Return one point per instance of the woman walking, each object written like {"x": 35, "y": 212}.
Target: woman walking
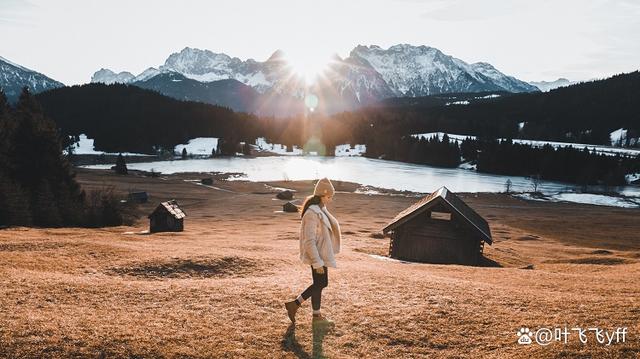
{"x": 319, "y": 243}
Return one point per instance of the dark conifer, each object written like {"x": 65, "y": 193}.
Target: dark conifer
{"x": 121, "y": 165}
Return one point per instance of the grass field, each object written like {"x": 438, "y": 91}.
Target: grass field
{"x": 216, "y": 289}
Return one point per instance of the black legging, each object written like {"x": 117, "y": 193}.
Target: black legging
{"x": 315, "y": 290}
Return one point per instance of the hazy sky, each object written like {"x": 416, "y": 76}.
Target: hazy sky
{"x": 532, "y": 40}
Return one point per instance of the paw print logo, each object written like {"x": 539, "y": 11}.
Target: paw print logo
{"x": 524, "y": 336}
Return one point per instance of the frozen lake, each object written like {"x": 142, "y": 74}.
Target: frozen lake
{"x": 369, "y": 172}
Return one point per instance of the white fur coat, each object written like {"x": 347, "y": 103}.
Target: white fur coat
{"x": 319, "y": 237}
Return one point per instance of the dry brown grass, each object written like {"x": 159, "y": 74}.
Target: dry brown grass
{"x": 216, "y": 289}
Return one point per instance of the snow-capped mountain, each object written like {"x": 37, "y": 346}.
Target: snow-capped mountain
{"x": 14, "y": 77}
{"x": 546, "y": 86}
{"x": 412, "y": 71}
{"x": 108, "y": 77}
{"x": 368, "y": 75}
{"x": 146, "y": 74}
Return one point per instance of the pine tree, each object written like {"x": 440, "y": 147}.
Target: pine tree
{"x": 121, "y": 165}
{"x": 184, "y": 154}
{"x": 39, "y": 166}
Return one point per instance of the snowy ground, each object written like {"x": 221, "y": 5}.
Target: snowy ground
{"x": 607, "y": 150}
{"x": 344, "y": 150}
{"x": 586, "y": 198}
{"x": 85, "y": 147}
{"x": 619, "y": 138}
{"x": 277, "y": 148}
{"x": 348, "y": 151}
{"x": 633, "y": 177}
{"x": 200, "y": 146}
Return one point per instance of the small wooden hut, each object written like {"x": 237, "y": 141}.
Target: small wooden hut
{"x": 439, "y": 228}
{"x": 167, "y": 217}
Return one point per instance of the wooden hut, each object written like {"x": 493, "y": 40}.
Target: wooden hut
{"x": 439, "y": 228}
{"x": 167, "y": 217}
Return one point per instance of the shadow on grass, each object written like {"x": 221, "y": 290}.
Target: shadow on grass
{"x": 488, "y": 262}
{"x": 290, "y": 343}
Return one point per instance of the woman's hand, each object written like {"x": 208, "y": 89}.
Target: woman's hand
{"x": 319, "y": 270}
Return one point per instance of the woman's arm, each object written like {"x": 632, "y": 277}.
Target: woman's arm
{"x": 309, "y": 239}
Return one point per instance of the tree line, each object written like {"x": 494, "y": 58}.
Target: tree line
{"x": 37, "y": 184}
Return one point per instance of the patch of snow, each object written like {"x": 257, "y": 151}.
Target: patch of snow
{"x": 632, "y": 177}
{"x": 585, "y": 198}
{"x": 347, "y": 150}
{"x": 520, "y": 126}
{"x": 467, "y": 166}
{"x": 493, "y": 95}
{"x": 619, "y": 138}
{"x": 85, "y": 147}
{"x": 199, "y": 146}
{"x": 277, "y": 148}
{"x": 596, "y": 199}
{"x": 463, "y": 102}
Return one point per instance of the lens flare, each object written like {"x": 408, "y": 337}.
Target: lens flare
{"x": 311, "y": 101}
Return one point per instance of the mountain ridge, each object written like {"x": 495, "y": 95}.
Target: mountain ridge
{"x": 369, "y": 74}
{"x": 14, "y": 77}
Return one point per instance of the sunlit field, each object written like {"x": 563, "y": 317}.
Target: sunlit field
{"x": 216, "y": 289}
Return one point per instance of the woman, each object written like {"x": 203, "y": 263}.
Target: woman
{"x": 319, "y": 243}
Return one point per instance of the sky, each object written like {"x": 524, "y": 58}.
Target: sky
{"x": 532, "y": 40}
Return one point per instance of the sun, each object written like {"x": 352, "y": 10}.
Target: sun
{"x": 308, "y": 65}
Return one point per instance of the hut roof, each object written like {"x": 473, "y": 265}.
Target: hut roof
{"x": 171, "y": 207}
{"x": 449, "y": 199}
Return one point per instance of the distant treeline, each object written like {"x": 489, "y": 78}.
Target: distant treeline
{"x": 122, "y": 118}
{"x": 37, "y": 185}
{"x": 567, "y": 164}
{"x": 429, "y": 151}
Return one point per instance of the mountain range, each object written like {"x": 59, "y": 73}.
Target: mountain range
{"x": 14, "y": 77}
{"x": 369, "y": 74}
{"x": 271, "y": 87}
{"x": 545, "y": 86}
